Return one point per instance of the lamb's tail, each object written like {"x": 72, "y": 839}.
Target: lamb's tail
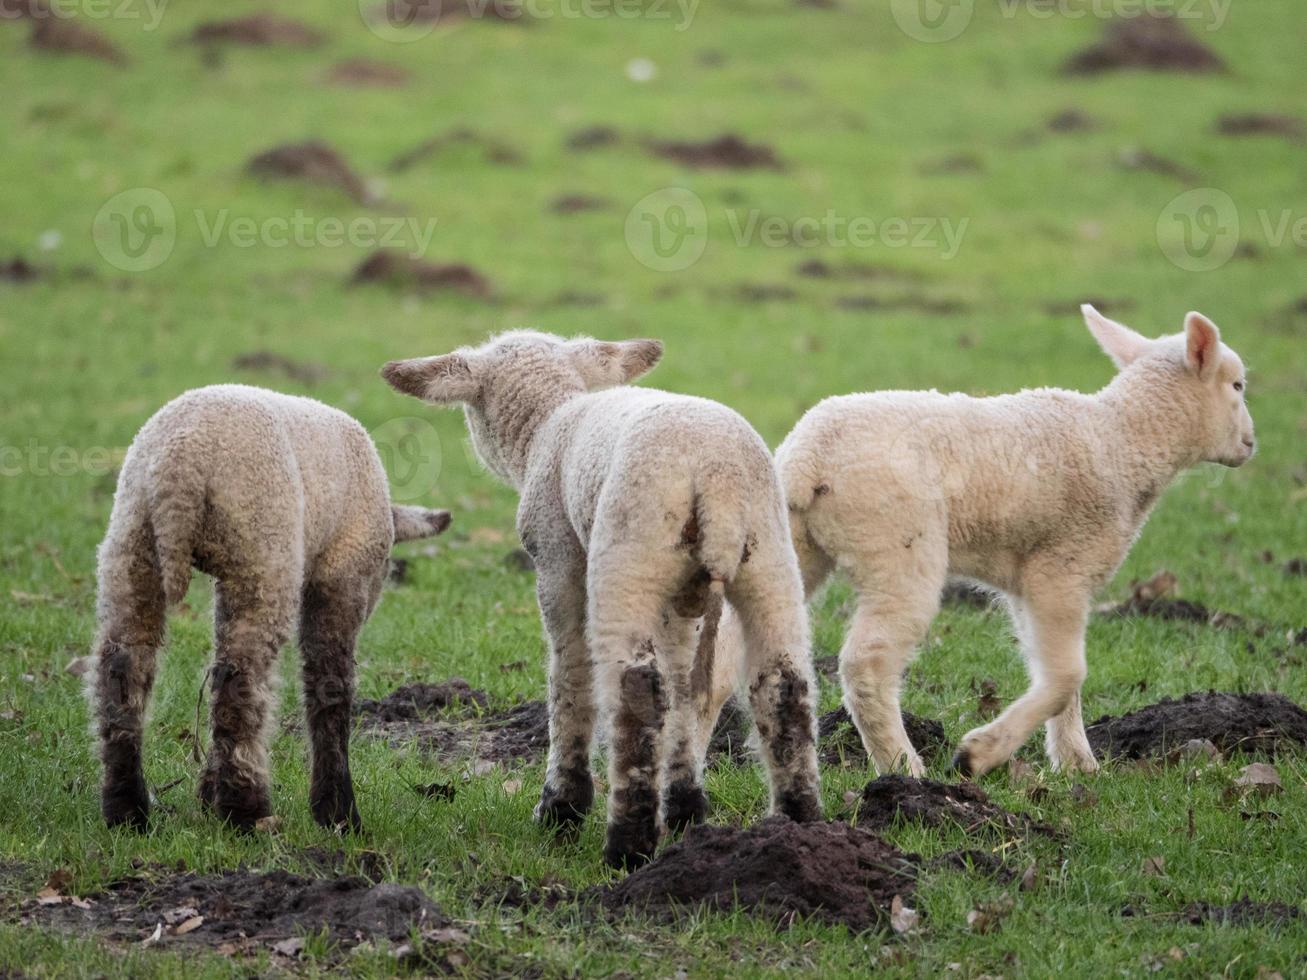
{"x": 176, "y": 500}
{"x": 720, "y": 543}
{"x": 417, "y": 522}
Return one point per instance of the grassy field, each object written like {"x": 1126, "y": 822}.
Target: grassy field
{"x": 866, "y": 123}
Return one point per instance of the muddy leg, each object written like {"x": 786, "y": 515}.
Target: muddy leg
{"x": 131, "y": 630}
{"x": 782, "y": 688}
{"x": 568, "y": 792}
{"x": 684, "y": 801}
{"x": 1057, "y": 619}
{"x": 331, "y": 616}
{"x": 251, "y": 623}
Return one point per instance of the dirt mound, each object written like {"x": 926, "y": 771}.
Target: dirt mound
{"x": 404, "y": 12}
{"x": 1252, "y": 723}
{"x": 572, "y": 203}
{"x": 401, "y": 271}
{"x": 421, "y": 700}
{"x": 1243, "y": 912}
{"x": 1153, "y": 42}
{"x": 777, "y": 868}
{"x": 363, "y": 73}
{"x": 727, "y": 151}
{"x": 866, "y": 271}
{"x": 840, "y": 744}
{"x": 730, "y": 739}
{"x": 241, "y": 911}
{"x": 261, "y": 30}
{"x": 305, "y": 372}
{"x": 914, "y": 302}
{"x": 313, "y": 161}
{"x": 593, "y": 137}
{"x": 1261, "y": 124}
{"x": 63, "y": 36}
{"x": 1153, "y": 598}
{"x": 495, "y": 151}
{"x": 410, "y": 716}
{"x": 1071, "y": 121}
{"x": 894, "y": 797}
{"x": 18, "y": 269}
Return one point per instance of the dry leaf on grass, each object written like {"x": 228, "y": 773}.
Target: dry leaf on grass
{"x": 268, "y": 825}
{"x": 1153, "y": 866}
{"x": 901, "y": 918}
{"x": 511, "y": 786}
{"x": 1260, "y": 778}
{"x": 289, "y": 947}
{"x": 190, "y": 925}
{"x": 78, "y": 666}
{"x": 986, "y": 916}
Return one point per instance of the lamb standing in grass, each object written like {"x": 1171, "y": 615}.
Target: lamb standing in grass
{"x": 642, "y": 511}
{"x": 284, "y": 502}
{"x": 1038, "y": 495}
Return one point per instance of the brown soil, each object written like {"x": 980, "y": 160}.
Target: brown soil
{"x": 1261, "y": 124}
{"x": 593, "y": 137}
{"x": 415, "y": 701}
{"x": 363, "y": 73}
{"x": 1243, "y": 912}
{"x": 427, "y": 11}
{"x": 313, "y": 161}
{"x": 305, "y": 372}
{"x": 1260, "y": 724}
{"x": 1154, "y": 43}
{"x": 63, "y": 36}
{"x": 400, "y": 271}
{"x": 764, "y": 292}
{"x": 14, "y": 9}
{"x": 1152, "y": 597}
{"x": 1071, "y": 121}
{"x": 495, "y": 151}
{"x": 18, "y": 269}
{"x": 243, "y": 911}
{"x": 727, "y": 151}
{"x": 918, "y": 303}
{"x": 818, "y": 269}
{"x": 262, "y": 30}
{"x": 572, "y": 203}
{"x": 411, "y": 715}
{"x": 958, "y": 163}
{"x": 777, "y": 868}
{"x": 840, "y": 744}
{"x": 893, "y": 798}
{"x": 1134, "y": 158}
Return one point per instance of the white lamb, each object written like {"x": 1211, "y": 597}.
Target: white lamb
{"x": 1038, "y": 495}
{"x": 641, "y": 510}
{"x": 284, "y": 502}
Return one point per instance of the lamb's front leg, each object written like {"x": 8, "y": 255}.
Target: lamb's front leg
{"x": 569, "y": 788}
{"x": 1057, "y": 617}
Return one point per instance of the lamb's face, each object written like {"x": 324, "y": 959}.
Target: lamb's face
{"x": 1230, "y": 441}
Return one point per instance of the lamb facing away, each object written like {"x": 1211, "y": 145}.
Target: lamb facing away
{"x": 1038, "y": 495}
{"x": 284, "y": 501}
{"x": 642, "y": 510}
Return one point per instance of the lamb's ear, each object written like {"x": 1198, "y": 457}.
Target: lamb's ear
{"x": 443, "y": 379}
{"x": 1202, "y": 344}
{"x": 417, "y": 522}
{"x": 1118, "y": 341}
{"x": 605, "y": 363}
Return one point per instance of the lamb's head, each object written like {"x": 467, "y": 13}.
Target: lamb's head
{"x": 1194, "y": 371}
{"x": 511, "y": 383}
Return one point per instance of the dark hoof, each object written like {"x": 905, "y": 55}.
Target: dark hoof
{"x": 800, "y": 807}
{"x": 126, "y": 805}
{"x": 565, "y": 807}
{"x": 962, "y": 764}
{"x": 238, "y": 806}
{"x": 630, "y": 845}
{"x": 337, "y": 810}
{"x": 685, "y": 804}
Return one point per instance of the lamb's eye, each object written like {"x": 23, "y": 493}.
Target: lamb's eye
{"x": 1238, "y": 386}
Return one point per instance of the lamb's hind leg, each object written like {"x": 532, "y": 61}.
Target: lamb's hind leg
{"x": 624, "y": 611}
{"x": 1057, "y": 613}
{"x": 131, "y": 630}
{"x": 688, "y": 644}
{"x": 252, "y": 621}
{"x": 568, "y": 792}
{"x": 768, "y": 596}
{"x": 331, "y": 615}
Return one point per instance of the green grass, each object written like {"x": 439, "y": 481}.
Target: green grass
{"x": 858, "y": 112}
